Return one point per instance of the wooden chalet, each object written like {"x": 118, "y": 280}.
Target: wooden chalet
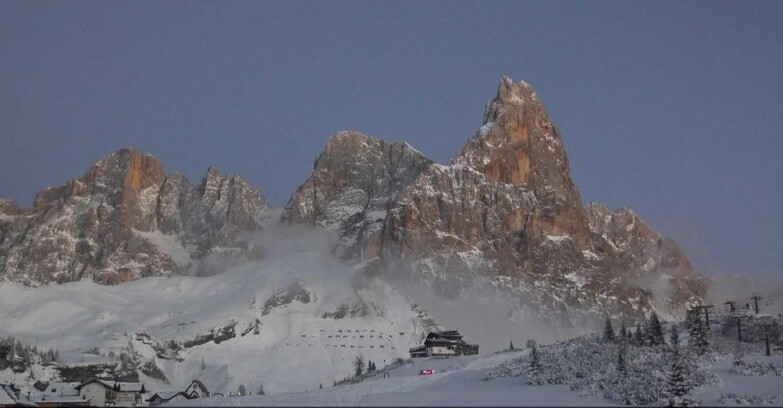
{"x": 444, "y": 343}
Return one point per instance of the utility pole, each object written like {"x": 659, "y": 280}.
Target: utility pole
{"x": 766, "y": 327}
{"x": 756, "y": 297}
{"x": 706, "y": 309}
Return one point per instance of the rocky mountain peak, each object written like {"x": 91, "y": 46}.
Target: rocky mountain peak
{"x": 506, "y": 210}
{"x": 126, "y": 218}
{"x": 518, "y": 144}
{"x": 127, "y": 168}
{"x": 9, "y": 207}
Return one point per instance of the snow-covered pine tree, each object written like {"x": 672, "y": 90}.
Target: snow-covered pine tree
{"x": 535, "y": 364}
{"x": 699, "y": 337}
{"x": 638, "y": 336}
{"x": 679, "y": 382}
{"x": 622, "y": 366}
{"x": 358, "y": 365}
{"x": 674, "y": 338}
{"x": 608, "y": 336}
{"x": 623, "y": 331}
{"x": 654, "y": 331}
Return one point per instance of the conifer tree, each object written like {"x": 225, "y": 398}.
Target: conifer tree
{"x": 358, "y": 365}
{"x": 535, "y": 364}
{"x": 679, "y": 383}
{"x": 654, "y": 331}
{"x": 674, "y": 338}
{"x": 608, "y": 331}
{"x": 699, "y": 336}
{"x": 622, "y": 367}
{"x": 623, "y": 331}
{"x": 511, "y": 345}
{"x": 638, "y": 337}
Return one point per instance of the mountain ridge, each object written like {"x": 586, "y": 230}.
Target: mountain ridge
{"x": 504, "y": 211}
{"x": 94, "y": 226}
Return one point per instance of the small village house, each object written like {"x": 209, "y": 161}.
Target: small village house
{"x": 99, "y": 393}
{"x": 60, "y": 394}
{"x": 197, "y": 389}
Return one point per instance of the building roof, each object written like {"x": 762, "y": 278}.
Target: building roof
{"x": 56, "y": 388}
{"x": 417, "y": 349}
{"x": 166, "y": 395}
{"x": 201, "y": 385}
{"x": 116, "y": 385}
{"x": 58, "y": 399}
{"x": 445, "y": 334}
{"x": 9, "y": 396}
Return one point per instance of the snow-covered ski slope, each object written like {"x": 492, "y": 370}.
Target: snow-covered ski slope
{"x": 460, "y": 382}
{"x": 304, "y": 319}
{"x": 457, "y": 381}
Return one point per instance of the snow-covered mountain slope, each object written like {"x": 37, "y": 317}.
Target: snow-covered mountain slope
{"x": 291, "y": 322}
{"x": 126, "y": 219}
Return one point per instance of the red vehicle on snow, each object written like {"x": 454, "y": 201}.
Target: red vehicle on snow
{"x": 428, "y": 371}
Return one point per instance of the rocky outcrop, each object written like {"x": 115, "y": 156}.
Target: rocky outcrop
{"x": 353, "y": 184}
{"x": 504, "y": 210}
{"x": 125, "y": 219}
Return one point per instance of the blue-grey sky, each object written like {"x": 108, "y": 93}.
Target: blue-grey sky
{"x": 674, "y": 109}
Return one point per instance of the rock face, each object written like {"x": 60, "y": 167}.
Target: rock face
{"x": 125, "y": 219}
{"x": 505, "y": 211}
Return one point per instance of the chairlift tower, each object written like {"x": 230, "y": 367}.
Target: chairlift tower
{"x": 767, "y": 326}
{"x": 738, "y": 316}
{"x": 756, "y": 297}
{"x": 706, "y": 309}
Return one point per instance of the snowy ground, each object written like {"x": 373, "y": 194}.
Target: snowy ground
{"x": 457, "y": 382}
{"x": 460, "y": 382}
{"x": 762, "y": 386}
{"x": 296, "y": 347}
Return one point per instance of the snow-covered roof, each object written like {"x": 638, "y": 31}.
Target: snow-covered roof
{"x": 56, "y": 388}
{"x": 9, "y": 397}
{"x": 215, "y": 379}
{"x": 115, "y": 385}
{"x": 59, "y": 399}
{"x": 166, "y": 395}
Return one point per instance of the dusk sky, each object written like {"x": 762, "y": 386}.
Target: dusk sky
{"x": 674, "y": 109}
